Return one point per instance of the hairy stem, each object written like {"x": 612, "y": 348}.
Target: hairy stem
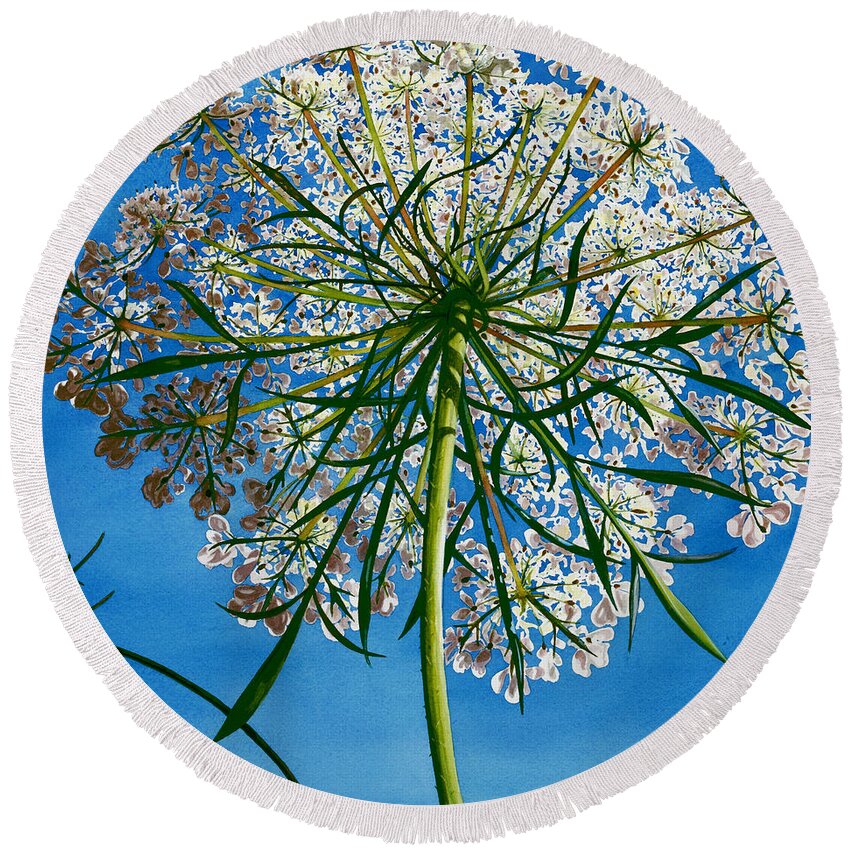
{"x": 445, "y": 423}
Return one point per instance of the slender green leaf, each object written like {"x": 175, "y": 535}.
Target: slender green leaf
{"x": 680, "y": 614}
{"x": 572, "y": 273}
{"x": 676, "y": 478}
{"x": 232, "y": 416}
{"x": 214, "y": 701}
{"x": 204, "y": 313}
{"x": 400, "y": 204}
{"x": 91, "y": 552}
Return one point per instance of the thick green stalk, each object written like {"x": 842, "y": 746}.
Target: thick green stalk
{"x": 445, "y": 423}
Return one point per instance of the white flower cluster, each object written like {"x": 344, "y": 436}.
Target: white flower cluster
{"x": 280, "y": 305}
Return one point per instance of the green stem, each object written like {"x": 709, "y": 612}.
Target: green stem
{"x": 652, "y": 255}
{"x": 446, "y": 415}
{"x": 469, "y": 130}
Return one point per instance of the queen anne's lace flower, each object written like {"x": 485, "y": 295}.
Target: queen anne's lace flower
{"x": 270, "y": 323}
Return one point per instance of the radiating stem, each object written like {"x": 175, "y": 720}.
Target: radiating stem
{"x": 562, "y": 143}
{"x": 285, "y": 202}
{"x": 445, "y": 419}
{"x": 550, "y": 164}
{"x": 368, "y": 208}
{"x": 509, "y": 181}
{"x": 600, "y": 181}
{"x": 652, "y": 255}
{"x": 414, "y": 161}
{"x": 382, "y": 158}
{"x": 496, "y": 513}
{"x": 469, "y": 129}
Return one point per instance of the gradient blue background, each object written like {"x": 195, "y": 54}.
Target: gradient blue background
{"x": 356, "y": 730}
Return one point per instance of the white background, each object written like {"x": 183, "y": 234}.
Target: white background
{"x": 76, "y": 77}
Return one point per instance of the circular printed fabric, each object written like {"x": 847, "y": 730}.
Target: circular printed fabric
{"x": 426, "y": 422}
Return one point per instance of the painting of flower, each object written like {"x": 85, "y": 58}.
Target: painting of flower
{"x": 440, "y": 342}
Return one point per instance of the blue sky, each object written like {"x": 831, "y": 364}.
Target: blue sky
{"x": 357, "y": 730}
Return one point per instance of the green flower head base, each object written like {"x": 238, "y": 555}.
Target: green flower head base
{"x": 463, "y": 335}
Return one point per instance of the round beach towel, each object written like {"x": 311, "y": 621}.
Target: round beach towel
{"x": 432, "y": 417}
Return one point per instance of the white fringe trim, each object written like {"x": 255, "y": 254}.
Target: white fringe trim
{"x": 472, "y": 821}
